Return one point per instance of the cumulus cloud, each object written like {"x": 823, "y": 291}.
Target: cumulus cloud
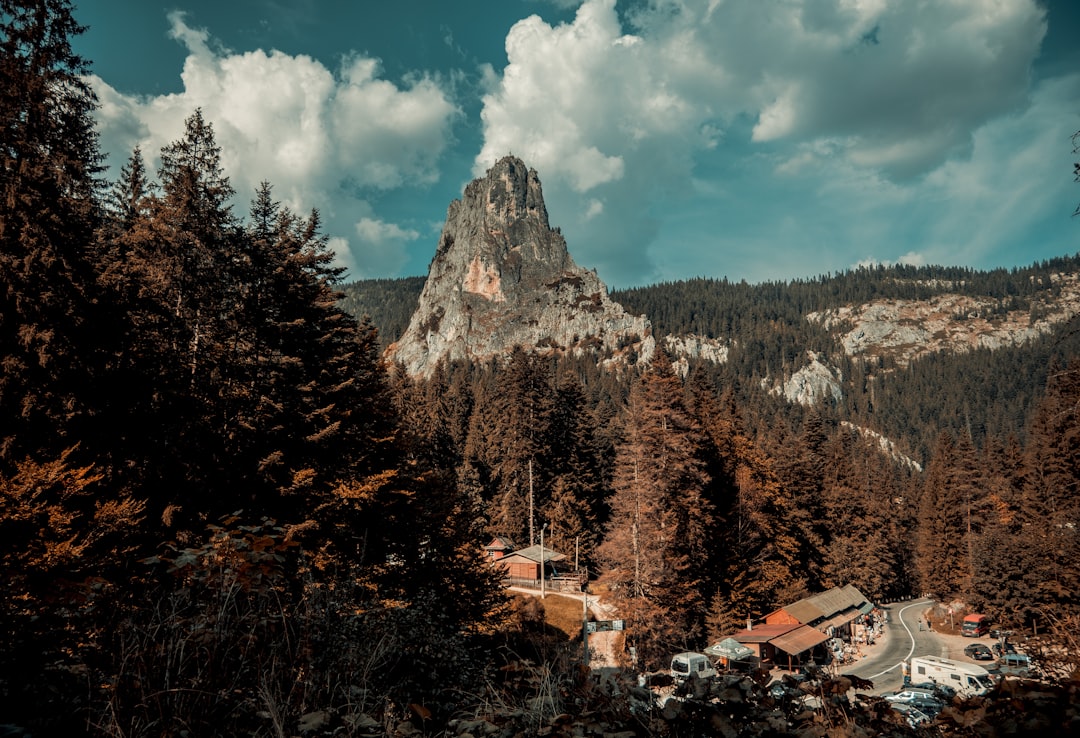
{"x": 382, "y": 246}
{"x": 624, "y": 109}
{"x": 322, "y": 137}
{"x": 1017, "y": 179}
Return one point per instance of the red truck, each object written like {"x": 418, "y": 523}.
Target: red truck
{"x": 975, "y": 625}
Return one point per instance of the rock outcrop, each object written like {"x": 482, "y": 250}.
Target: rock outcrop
{"x": 905, "y": 330}
{"x": 502, "y": 277}
{"x": 814, "y": 384}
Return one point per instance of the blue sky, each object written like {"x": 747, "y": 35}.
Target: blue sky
{"x": 747, "y": 139}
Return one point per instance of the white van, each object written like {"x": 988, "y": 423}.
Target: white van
{"x": 687, "y": 664}
{"x": 967, "y": 679}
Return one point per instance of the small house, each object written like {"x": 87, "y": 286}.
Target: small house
{"x": 525, "y": 566}
{"x": 499, "y": 547}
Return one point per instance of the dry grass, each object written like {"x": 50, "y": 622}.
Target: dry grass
{"x": 560, "y": 613}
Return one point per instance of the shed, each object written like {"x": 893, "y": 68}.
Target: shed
{"x": 729, "y": 651}
{"x": 782, "y": 642}
{"x": 526, "y": 564}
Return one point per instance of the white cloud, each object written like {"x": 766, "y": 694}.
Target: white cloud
{"x": 1017, "y": 177}
{"x": 544, "y": 107}
{"x": 912, "y": 258}
{"x": 321, "y": 137}
{"x": 382, "y": 246}
{"x": 880, "y": 92}
{"x": 376, "y": 231}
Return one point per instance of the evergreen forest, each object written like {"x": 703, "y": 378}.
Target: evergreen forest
{"x": 223, "y": 514}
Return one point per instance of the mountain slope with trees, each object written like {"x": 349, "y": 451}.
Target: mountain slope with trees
{"x": 224, "y": 514}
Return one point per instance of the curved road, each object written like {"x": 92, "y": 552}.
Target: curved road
{"x": 903, "y": 639}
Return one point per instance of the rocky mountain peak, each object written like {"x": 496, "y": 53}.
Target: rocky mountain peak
{"x": 502, "y": 277}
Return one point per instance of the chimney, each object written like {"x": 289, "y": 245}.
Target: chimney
{"x": 749, "y": 624}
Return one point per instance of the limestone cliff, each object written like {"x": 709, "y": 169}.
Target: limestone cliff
{"x": 501, "y": 277}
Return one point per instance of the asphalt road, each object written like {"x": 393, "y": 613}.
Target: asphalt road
{"x": 903, "y": 639}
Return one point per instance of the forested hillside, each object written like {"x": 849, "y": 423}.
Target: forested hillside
{"x": 389, "y": 303}
{"x": 224, "y": 515}
{"x": 978, "y": 393}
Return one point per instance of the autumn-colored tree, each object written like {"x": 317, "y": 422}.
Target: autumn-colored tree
{"x": 49, "y": 163}
{"x": 577, "y": 497}
{"x": 862, "y": 503}
{"x": 656, "y": 546}
{"x": 1049, "y": 513}
{"x": 509, "y": 441}
{"x": 308, "y": 402}
{"x": 945, "y": 539}
{"x": 801, "y": 468}
{"x": 760, "y": 563}
{"x": 67, "y": 541}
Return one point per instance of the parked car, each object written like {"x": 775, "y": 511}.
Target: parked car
{"x": 941, "y": 691}
{"x": 691, "y": 664}
{"x": 914, "y": 716}
{"x": 1015, "y": 664}
{"x": 979, "y": 652}
{"x": 1000, "y": 651}
{"x": 787, "y": 686}
{"x": 975, "y": 625}
{"x": 923, "y": 700}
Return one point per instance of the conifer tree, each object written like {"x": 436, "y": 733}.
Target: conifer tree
{"x": 801, "y": 468}
{"x": 655, "y": 548}
{"x": 174, "y": 262}
{"x": 49, "y": 163}
{"x": 127, "y": 201}
{"x": 942, "y": 554}
{"x": 864, "y": 540}
{"x": 759, "y": 566}
{"x": 510, "y": 437}
{"x": 576, "y": 493}
{"x": 1049, "y": 514}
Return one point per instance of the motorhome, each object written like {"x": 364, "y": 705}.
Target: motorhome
{"x": 687, "y": 664}
{"x": 967, "y": 679}
{"x": 975, "y": 625}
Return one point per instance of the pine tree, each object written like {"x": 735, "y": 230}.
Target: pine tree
{"x": 1049, "y": 515}
{"x": 577, "y": 497}
{"x": 656, "y": 546}
{"x": 175, "y": 263}
{"x": 127, "y": 201}
{"x": 860, "y": 505}
{"x": 510, "y": 437}
{"x": 941, "y": 540}
{"x": 49, "y": 163}
{"x": 801, "y": 470}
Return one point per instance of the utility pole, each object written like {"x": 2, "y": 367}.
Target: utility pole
{"x": 542, "y": 567}
{"x": 585, "y": 627}
{"x": 532, "y": 538}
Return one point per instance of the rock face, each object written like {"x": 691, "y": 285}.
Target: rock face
{"x": 905, "y": 330}
{"x": 502, "y": 277}
{"x": 816, "y": 383}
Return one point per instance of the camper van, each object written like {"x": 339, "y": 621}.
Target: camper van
{"x": 688, "y": 664}
{"x": 967, "y": 679}
{"x": 975, "y": 625}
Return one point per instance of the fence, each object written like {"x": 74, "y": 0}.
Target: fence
{"x": 564, "y": 583}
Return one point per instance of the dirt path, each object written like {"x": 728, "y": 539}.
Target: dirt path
{"x": 602, "y": 644}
